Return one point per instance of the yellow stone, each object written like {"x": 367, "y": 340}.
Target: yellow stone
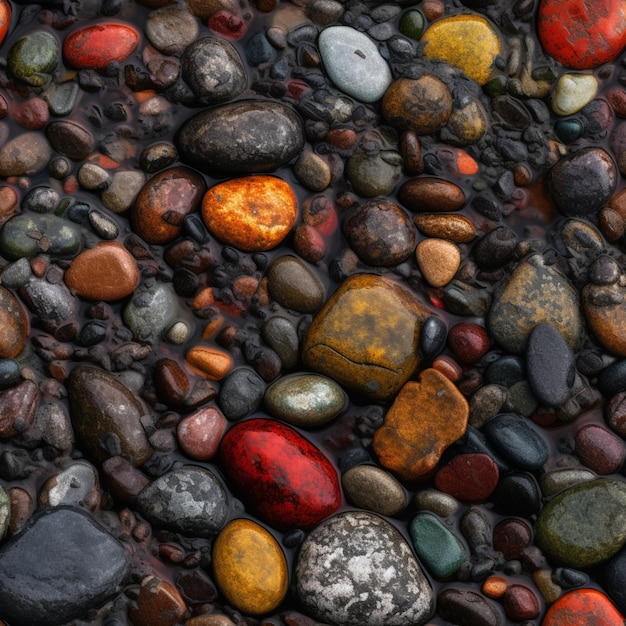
{"x": 250, "y": 567}
{"x": 252, "y": 213}
{"x": 438, "y": 260}
{"x": 468, "y": 42}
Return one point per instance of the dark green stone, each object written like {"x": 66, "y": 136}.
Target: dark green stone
{"x": 33, "y": 57}
{"x": 412, "y": 24}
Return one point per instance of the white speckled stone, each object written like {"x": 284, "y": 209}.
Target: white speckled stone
{"x": 353, "y": 63}
{"x": 572, "y": 92}
{"x": 356, "y": 569}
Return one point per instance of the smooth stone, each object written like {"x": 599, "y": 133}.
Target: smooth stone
{"x": 94, "y": 47}
{"x": 24, "y": 155}
{"x": 158, "y": 603}
{"x": 457, "y": 228}
{"x": 422, "y": 105}
{"x": 466, "y": 608}
{"x": 241, "y": 393}
{"x": 432, "y": 337}
{"x": 604, "y": 307}
{"x": 518, "y": 494}
{"x": 520, "y": 603}
{"x": 614, "y": 577}
{"x": 612, "y": 379}
{"x": 209, "y": 362}
{"x": 93, "y": 177}
{"x": 599, "y": 449}
{"x": 429, "y": 193}
{"x": 469, "y": 478}
{"x": 52, "y": 302}
{"x": 438, "y": 260}
{"x": 581, "y": 183}
{"x": 106, "y": 416}
{"x": 305, "y": 400}
{"x": 468, "y": 42}
{"x": 366, "y": 336}
{"x": 10, "y": 369}
{"x": 313, "y": 171}
{"x": 342, "y": 574}
{"x": 14, "y": 325}
{"x": 371, "y": 488}
{"x": 214, "y": 70}
{"x": 200, "y": 433}
{"x": 353, "y": 63}
{"x": 495, "y": 249}
{"x": 555, "y": 481}
{"x": 124, "y": 482}
{"x": 281, "y": 335}
{"x": 5, "y": 19}
{"x": 583, "y": 525}
{"x": 468, "y": 342}
{"x": 589, "y": 607}
{"x": 284, "y": 478}
{"x": 292, "y": 284}
{"x": 189, "y": 500}
{"x": 171, "y": 29}
{"x": 122, "y": 190}
{"x": 425, "y": 418}
{"x": 572, "y": 92}
{"x": 249, "y": 567}
{"x": 243, "y": 137}
{"x": 485, "y": 403}
{"x": 438, "y": 548}
{"x": 467, "y": 124}
{"x": 163, "y": 203}
{"x": 77, "y": 485}
{"x": 534, "y": 293}
{"x": 5, "y": 512}
{"x": 253, "y": 213}
{"x": 151, "y": 311}
{"x": 70, "y": 139}
{"x": 581, "y": 237}
{"x": 380, "y": 232}
{"x": 18, "y": 406}
{"x": 511, "y": 537}
{"x": 46, "y": 579}
{"x": 372, "y": 175}
{"x": 171, "y": 382}
{"x": 106, "y": 272}
{"x": 439, "y": 503}
{"x": 579, "y": 34}
{"x": 53, "y": 425}
{"x": 550, "y": 364}
{"x": 34, "y": 56}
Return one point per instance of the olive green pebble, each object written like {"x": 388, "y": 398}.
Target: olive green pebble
{"x": 412, "y": 24}
{"x": 33, "y": 57}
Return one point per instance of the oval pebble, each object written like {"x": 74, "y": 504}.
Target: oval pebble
{"x": 599, "y": 449}
{"x": 14, "y": 325}
{"x": 24, "y": 155}
{"x": 200, "y": 433}
{"x": 468, "y": 477}
{"x": 292, "y": 284}
{"x": 589, "y": 607}
{"x": 371, "y": 488}
{"x": 431, "y": 194}
{"x": 466, "y": 608}
{"x": 33, "y": 56}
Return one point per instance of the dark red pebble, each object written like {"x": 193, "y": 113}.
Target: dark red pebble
{"x": 520, "y": 603}
{"x": 599, "y": 449}
{"x": 510, "y": 537}
{"x": 228, "y": 25}
{"x": 468, "y": 477}
{"x": 468, "y": 341}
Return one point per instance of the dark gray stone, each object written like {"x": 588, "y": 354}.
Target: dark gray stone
{"x": 241, "y": 393}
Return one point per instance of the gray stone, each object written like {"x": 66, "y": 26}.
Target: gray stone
{"x": 171, "y": 28}
{"x": 151, "y": 311}
{"x": 372, "y": 488}
{"x": 342, "y": 574}
{"x": 241, "y": 393}
{"x": 294, "y": 285}
{"x": 52, "y": 302}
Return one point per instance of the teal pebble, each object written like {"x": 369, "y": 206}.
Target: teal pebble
{"x": 439, "y": 549}
{"x": 9, "y": 374}
{"x": 412, "y": 24}
{"x": 568, "y": 131}
{"x": 33, "y": 57}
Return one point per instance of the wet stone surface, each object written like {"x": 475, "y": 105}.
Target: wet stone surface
{"x": 312, "y": 312}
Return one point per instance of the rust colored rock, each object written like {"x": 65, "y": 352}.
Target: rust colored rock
{"x": 13, "y": 325}
{"x": 457, "y": 228}
{"x": 583, "y": 607}
{"x": 158, "y": 604}
{"x": 426, "y": 417}
{"x": 428, "y": 194}
{"x": 209, "y": 362}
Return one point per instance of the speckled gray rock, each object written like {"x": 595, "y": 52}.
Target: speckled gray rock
{"x": 51, "y": 301}
{"x": 59, "y": 567}
{"x": 25, "y": 155}
{"x": 151, "y": 311}
{"x": 189, "y": 500}
{"x": 241, "y": 393}
{"x": 171, "y": 28}
{"x": 342, "y": 574}
{"x": 372, "y": 488}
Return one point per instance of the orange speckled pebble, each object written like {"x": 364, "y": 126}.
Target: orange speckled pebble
{"x": 94, "y": 47}
{"x": 158, "y": 604}
{"x": 583, "y": 607}
{"x": 426, "y": 417}
{"x": 250, "y": 567}
{"x": 209, "y": 362}
{"x": 253, "y": 213}
{"x": 105, "y": 272}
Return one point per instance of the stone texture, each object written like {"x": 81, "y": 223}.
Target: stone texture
{"x": 371, "y": 488}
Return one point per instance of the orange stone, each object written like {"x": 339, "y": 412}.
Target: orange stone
{"x": 209, "y": 362}
{"x": 158, "y": 604}
{"x": 253, "y": 213}
{"x": 494, "y": 586}
{"x": 105, "y": 272}
{"x": 457, "y": 228}
{"x": 5, "y": 19}
{"x": 583, "y": 607}
{"x": 426, "y": 417}
{"x": 13, "y": 325}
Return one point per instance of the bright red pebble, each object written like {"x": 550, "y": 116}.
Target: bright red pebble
{"x": 94, "y": 47}
{"x": 583, "y": 607}
{"x": 5, "y": 19}
{"x": 468, "y": 341}
{"x": 228, "y": 25}
{"x": 285, "y": 479}
{"x": 468, "y": 477}
{"x": 582, "y": 34}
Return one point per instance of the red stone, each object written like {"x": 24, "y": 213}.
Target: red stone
{"x": 468, "y": 341}
{"x": 94, "y": 47}
{"x": 583, "y": 607}
{"x": 228, "y": 25}
{"x": 32, "y": 114}
{"x": 520, "y": 603}
{"x": 582, "y": 34}
{"x": 200, "y": 433}
{"x": 599, "y": 449}
{"x": 5, "y": 19}
{"x": 511, "y": 536}
{"x": 285, "y": 479}
{"x": 468, "y": 477}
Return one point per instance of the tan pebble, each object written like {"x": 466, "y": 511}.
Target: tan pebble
{"x": 438, "y": 260}
{"x": 373, "y": 489}
{"x": 22, "y": 507}
{"x": 312, "y": 171}
{"x": 548, "y": 589}
{"x": 106, "y": 272}
{"x": 13, "y": 325}
{"x": 611, "y": 223}
{"x": 158, "y": 604}
{"x": 457, "y": 228}
{"x": 211, "y": 363}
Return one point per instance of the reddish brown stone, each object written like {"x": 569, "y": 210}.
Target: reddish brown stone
{"x": 599, "y": 449}
{"x": 158, "y": 604}
{"x": 429, "y": 194}
{"x": 511, "y": 537}
{"x": 171, "y": 382}
{"x": 468, "y": 341}
{"x": 124, "y": 482}
{"x": 199, "y": 434}
{"x": 520, "y": 603}
{"x": 468, "y": 477}
{"x": 13, "y": 325}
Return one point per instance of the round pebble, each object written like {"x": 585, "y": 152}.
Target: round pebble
{"x": 371, "y": 488}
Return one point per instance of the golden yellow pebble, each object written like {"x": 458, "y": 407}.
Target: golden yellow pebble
{"x": 209, "y": 362}
{"x": 438, "y": 260}
{"x": 250, "y": 567}
{"x": 467, "y": 42}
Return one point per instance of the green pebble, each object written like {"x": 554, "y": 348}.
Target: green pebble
{"x": 33, "y": 57}
{"x": 568, "y": 131}
{"x": 412, "y": 24}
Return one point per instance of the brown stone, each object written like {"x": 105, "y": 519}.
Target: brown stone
{"x": 429, "y": 193}
{"x": 457, "y": 228}
{"x": 438, "y": 260}
{"x": 106, "y": 272}
{"x": 18, "y": 406}
{"x": 426, "y": 417}
{"x": 605, "y": 311}
{"x": 158, "y": 604}
{"x": 171, "y": 382}
{"x": 13, "y": 325}
{"x": 210, "y": 362}
{"x": 200, "y": 433}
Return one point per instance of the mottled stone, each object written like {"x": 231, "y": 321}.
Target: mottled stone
{"x": 372, "y": 175}
{"x": 158, "y": 604}
{"x": 438, "y": 260}
{"x": 371, "y": 488}
{"x": 599, "y": 449}
{"x": 589, "y": 607}
{"x": 294, "y": 285}
{"x": 468, "y": 477}
{"x": 34, "y": 57}
{"x": 171, "y": 29}
{"x": 426, "y": 417}
{"x": 77, "y": 485}
{"x": 366, "y": 336}
{"x": 13, "y": 325}
{"x": 241, "y": 393}
{"x": 200, "y": 433}
{"x": 342, "y": 574}
{"x": 604, "y": 307}
{"x": 457, "y": 228}
{"x": 18, "y": 407}
{"x": 151, "y": 311}
{"x": 70, "y": 139}
{"x": 24, "y": 155}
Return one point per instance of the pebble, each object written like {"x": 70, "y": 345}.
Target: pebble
{"x": 469, "y": 478}
{"x": 200, "y": 433}
{"x": 425, "y": 418}
{"x": 171, "y": 382}
{"x": 373, "y": 174}
{"x": 555, "y": 481}
{"x": 351, "y": 341}
{"x": 212, "y": 363}
{"x": 511, "y": 537}
{"x": 14, "y": 325}
{"x": 70, "y": 139}
{"x": 429, "y": 193}
{"x": 106, "y": 416}
{"x": 241, "y": 137}
{"x": 24, "y": 155}
{"x": 34, "y": 56}
{"x": 599, "y": 449}
{"x": 77, "y": 485}
{"x": 313, "y": 171}
{"x": 253, "y": 214}
{"x": 286, "y": 481}
{"x": 75, "y": 577}
{"x": 241, "y": 393}
{"x": 189, "y": 500}
{"x": 580, "y": 35}
{"x": 381, "y": 233}
{"x": 468, "y": 342}
{"x": 294, "y": 285}
{"x": 468, "y": 42}
{"x": 342, "y": 571}
{"x": 19, "y": 405}
{"x": 151, "y": 311}
{"x": 371, "y": 488}
{"x": 122, "y": 190}
{"x": 517, "y": 493}
{"x": 438, "y": 260}
{"x": 438, "y": 548}
{"x": 5, "y": 19}
{"x": 105, "y": 272}
{"x": 50, "y": 301}
{"x": 520, "y": 603}
{"x": 589, "y": 607}
{"x": 158, "y": 604}
{"x": 583, "y": 525}
{"x": 250, "y": 567}
{"x": 457, "y": 228}
{"x": 280, "y": 334}
{"x": 572, "y": 92}
{"x": 304, "y": 400}
{"x": 353, "y": 63}
{"x": 466, "y": 608}
{"x": 603, "y": 306}
{"x": 171, "y": 29}
{"x": 432, "y": 337}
